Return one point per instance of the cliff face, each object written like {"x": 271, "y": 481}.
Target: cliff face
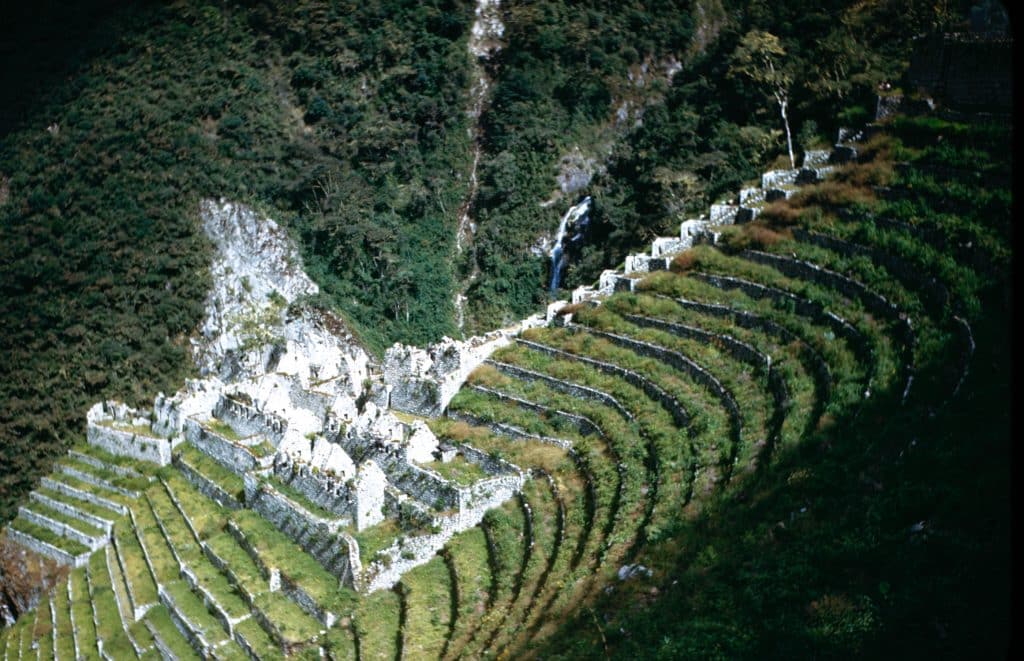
{"x": 251, "y": 326}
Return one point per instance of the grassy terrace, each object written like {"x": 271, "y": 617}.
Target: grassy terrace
{"x": 65, "y": 638}
{"x": 105, "y": 476}
{"x": 709, "y": 420}
{"x": 48, "y": 536}
{"x": 818, "y": 552}
{"x": 298, "y": 497}
{"x": 467, "y": 559}
{"x": 740, "y": 381}
{"x": 886, "y": 364}
{"x": 427, "y": 601}
{"x": 159, "y": 622}
{"x": 100, "y": 491}
{"x": 377, "y": 624}
{"x": 506, "y": 532}
{"x": 66, "y": 519}
{"x": 111, "y": 459}
{"x": 274, "y": 549}
{"x": 81, "y": 613}
{"x": 376, "y": 538}
{"x": 109, "y": 627}
{"x": 209, "y": 468}
{"x": 792, "y": 360}
{"x": 42, "y": 633}
{"x": 84, "y": 506}
{"x": 141, "y": 430}
{"x": 459, "y": 470}
{"x": 222, "y": 428}
{"x": 849, "y": 377}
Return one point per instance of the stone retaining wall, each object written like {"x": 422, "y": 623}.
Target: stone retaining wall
{"x": 247, "y": 421}
{"x": 64, "y": 508}
{"x": 331, "y": 493}
{"x": 128, "y": 444}
{"x": 228, "y": 454}
{"x": 683, "y": 363}
{"x": 679, "y": 415}
{"x": 574, "y": 389}
{"x": 62, "y": 529}
{"x": 206, "y": 486}
{"x": 88, "y": 496}
{"x": 933, "y": 293}
{"x": 801, "y": 306}
{"x": 47, "y": 549}
{"x": 97, "y": 463}
{"x": 96, "y": 481}
{"x": 741, "y": 351}
{"x": 583, "y": 425}
{"x": 508, "y": 430}
{"x": 316, "y": 536}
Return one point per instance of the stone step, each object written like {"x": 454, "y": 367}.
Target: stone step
{"x": 169, "y": 640}
{"x": 82, "y": 510}
{"x": 45, "y": 541}
{"x": 87, "y": 473}
{"x": 75, "y": 488}
{"x": 64, "y": 525}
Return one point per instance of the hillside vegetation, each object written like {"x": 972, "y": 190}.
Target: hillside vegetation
{"x": 347, "y": 122}
{"x": 791, "y": 444}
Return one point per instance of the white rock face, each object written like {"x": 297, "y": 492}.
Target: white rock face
{"x": 377, "y": 425}
{"x": 256, "y": 272}
{"x": 370, "y": 483}
{"x": 422, "y": 443}
{"x": 330, "y": 458}
{"x": 485, "y": 35}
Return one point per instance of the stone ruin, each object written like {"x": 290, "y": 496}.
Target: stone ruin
{"x": 291, "y": 403}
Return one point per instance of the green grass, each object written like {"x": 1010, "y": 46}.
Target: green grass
{"x": 376, "y": 624}
{"x": 467, "y": 553}
{"x": 221, "y": 428}
{"x": 96, "y": 490}
{"x": 109, "y": 458}
{"x": 46, "y": 535}
{"x": 203, "y": 464}
{"x": 164, "y": 565}
{"x": 459, "y": 470}
{"x": 43, "y": 633}
{"x": 85, "y": 506}
{"x": 81, "y": 610}
{"x": 194, "y": 612}
{"x": 298, "y": 498}
{"x": 427, "y": 594}
{"x": 123, "y": 481}
{"x": 59, "y": 516}
{"x": 262, "y": 643}
{"x": 104, "y": 603}
{"x": 294, "y": 624}
{"x": 62, "y": 610}
{"x": 376, "y": 538}
{"x": 159, "y": 618}
{"x": 277, "y": 550}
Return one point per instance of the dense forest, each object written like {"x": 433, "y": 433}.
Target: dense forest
{"x": 347, "y": 122}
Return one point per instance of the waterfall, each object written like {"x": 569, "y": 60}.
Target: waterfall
{"x": 575, "y": 212}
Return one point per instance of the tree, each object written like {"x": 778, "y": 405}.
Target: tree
{"x": 24, "y": 577}
{"x": 758, "y": 57}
